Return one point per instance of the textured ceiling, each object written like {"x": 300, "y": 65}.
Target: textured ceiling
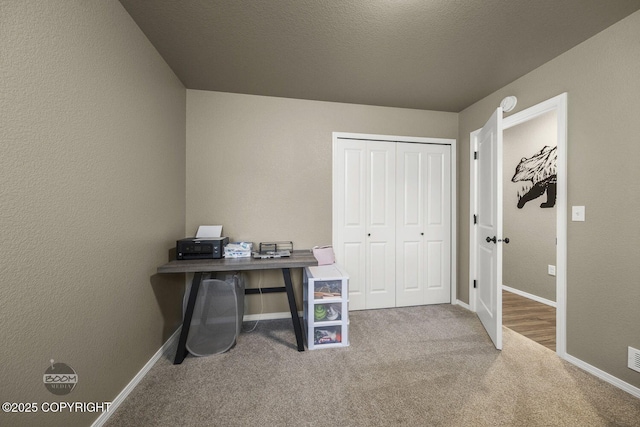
{"x": 428, "y": 54}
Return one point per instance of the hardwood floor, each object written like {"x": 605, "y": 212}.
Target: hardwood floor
{"x": 530, "y": 318}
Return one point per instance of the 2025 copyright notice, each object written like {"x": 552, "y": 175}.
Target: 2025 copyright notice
{"x": 55, "y": 407}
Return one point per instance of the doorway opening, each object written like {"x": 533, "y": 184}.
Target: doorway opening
{"x": 534, "y": 197}
{"x": 529, "y": 318}
{"x": 529, "y": 219}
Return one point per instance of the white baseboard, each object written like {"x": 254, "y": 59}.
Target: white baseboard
{"x": 268, "y": 316}
{"x": 462, "y": 304}
{"x": 167, "y": 348}
{"x": 632, "y": 390}
{"x": 528, "y": 295}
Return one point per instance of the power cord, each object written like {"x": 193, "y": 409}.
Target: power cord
{"x": 261, "y": 305}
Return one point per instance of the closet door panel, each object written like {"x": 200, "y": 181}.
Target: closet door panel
{"x": 411, "y": 267}
{"x": 435, "y": 254}
{"x": 424, "y": 225}
{"x": 380, "y": 233}
{"x": 438, "y": 225}
{"x": 411, "y": 187}
{"x": 350, "y": 213}
{"x": 353, "y": 261}
{"x": 409, "y": 224}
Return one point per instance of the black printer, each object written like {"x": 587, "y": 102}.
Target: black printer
{"x": 201, "y": 248}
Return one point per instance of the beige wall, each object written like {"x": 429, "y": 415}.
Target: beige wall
{"x": 92, "y": 197}
{"x": 531, "y": 229}
{"x": 601, "y": 78}
{"x": 261, "y": 166}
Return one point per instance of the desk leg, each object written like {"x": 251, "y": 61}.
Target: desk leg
{"x": 288, "y": 284}
{"x": 181, "y": 351}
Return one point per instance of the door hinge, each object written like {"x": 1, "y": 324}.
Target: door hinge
{"x": 475, "y": 283}
{"x": 475, "y": 219}
{"x": 475, "y": 155}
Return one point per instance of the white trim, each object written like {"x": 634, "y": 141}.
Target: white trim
{"x": 559, "y": 104}
{"x": 463, "y": 305}
{"x": 268, "y": 316}
{"x": 454, "y": 222}
{"x": 615, "y": 381}
{"x": 529, "y": 296}
{"x": 168, "y": 348}
{"x": 561, "y": 226}
{"x": 473, "y": 205}
{"x": 335, "y": 136}
{"x": 392, "y": 138}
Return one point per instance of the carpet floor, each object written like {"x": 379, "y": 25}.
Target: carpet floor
{"x": 417, "y": 366}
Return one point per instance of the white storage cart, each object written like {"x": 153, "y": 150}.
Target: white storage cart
{"x": 326, "y": 311}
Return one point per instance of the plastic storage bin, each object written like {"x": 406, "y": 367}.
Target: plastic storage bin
{"x": 326, "y": 311}
{"x": 217, "y": 316}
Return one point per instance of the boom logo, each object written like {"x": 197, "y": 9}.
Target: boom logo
{"x": 60, "y": 378}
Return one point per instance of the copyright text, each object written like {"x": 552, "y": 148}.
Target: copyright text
{"x": 56, "y": 407}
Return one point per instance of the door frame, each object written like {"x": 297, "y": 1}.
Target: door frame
{"x": 337, "y": 136}
{"x": 559, "y": 105}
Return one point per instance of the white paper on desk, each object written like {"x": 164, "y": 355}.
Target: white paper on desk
{"x": 209, "y": 231}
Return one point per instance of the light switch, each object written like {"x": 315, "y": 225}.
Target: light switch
{"x": 577, "y": 213}
{"x": 552, "y": 270}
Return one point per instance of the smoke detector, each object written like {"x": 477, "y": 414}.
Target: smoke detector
{"x": 509, "y": 103}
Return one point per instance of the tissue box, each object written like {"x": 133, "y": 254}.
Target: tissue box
{"x": 238, "y": 250}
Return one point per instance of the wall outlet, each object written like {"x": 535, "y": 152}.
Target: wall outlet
{"x": 577, "y": 213}
{"x": 634, "y": 359}
{"x": 552, "y": 270}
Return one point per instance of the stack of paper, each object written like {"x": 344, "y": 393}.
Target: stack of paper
{"x": 238, "y": 250}
{"x": 205, "y": 231}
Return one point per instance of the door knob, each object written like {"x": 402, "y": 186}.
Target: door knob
{"x": 505, "y": 240}
{"x": 489, "y": 239}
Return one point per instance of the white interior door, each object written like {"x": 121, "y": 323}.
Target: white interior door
{"x": 423, "y": 224}
{"x": 489, "y": 227}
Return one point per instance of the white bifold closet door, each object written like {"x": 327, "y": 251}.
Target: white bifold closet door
{"x": 364, "y": 220}
{"x": 392, "y": 221}
{"x": 423, "y": 224}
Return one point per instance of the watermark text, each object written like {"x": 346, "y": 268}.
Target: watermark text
{"x": 55, "y": 407}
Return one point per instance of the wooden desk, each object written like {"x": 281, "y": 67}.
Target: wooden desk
{"x": 298, "y": 259}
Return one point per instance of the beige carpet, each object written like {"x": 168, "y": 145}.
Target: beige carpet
{"x": 418, "y": 366}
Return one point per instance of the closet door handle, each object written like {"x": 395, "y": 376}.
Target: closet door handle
{"x": 495, "y": 240}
